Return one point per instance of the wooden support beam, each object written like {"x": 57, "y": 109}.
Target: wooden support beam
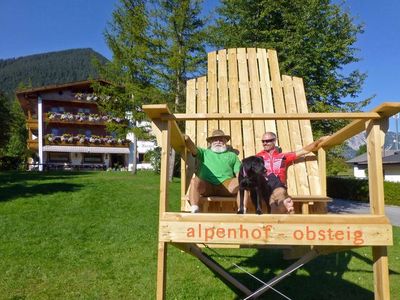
{"x": 194, "y": 250}
{"x": 165, "y": 128}
{"x": 377, "y": 204}
{"x": 322, "y": 170}
{"x": 385, "y": 110}
{"x": 271, "y": 116}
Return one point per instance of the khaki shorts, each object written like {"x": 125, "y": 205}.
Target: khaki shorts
{"x": 228, "y": 188}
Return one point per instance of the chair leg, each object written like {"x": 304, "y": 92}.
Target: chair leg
{"x": 381, "y": 273}
{"x": 161, "y": 270}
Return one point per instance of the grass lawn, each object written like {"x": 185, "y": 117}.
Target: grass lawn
{"x": 94, "y": 236}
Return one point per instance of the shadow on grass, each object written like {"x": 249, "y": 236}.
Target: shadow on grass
{"x": 15, "y": 184}
{"x": 323, "y": 281}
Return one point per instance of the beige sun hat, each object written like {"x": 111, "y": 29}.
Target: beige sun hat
{"x": 218, "y": 133}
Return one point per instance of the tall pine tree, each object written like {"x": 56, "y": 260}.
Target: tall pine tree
{"x": 314, "y": 39}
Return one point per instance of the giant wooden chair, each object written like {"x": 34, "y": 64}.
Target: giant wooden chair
{"x": 245, "y": 95}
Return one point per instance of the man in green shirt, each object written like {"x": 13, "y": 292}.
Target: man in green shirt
{"x": 218, "y": 169}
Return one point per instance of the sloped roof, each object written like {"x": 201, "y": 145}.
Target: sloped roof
{"x": 388, "y": 157}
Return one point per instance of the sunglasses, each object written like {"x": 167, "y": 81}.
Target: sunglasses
{"x": 268, "y": 141}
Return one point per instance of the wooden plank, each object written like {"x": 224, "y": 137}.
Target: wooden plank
{"x": 212, "y": 100}
{"x": 300, "y": 171}
{"x": 386, "y": 109}
{"x": 190, "y": 126}
{"x": 277, "y": 218}
{"x": 234, "y": 103}
{"x": 375, "y": 169}
{"x": 271, "y": 116}
{"x": 266, "y": 89}
{"x": 381, "y": 273}
{"x": 322, "y": 170}
{"x": 279, "y": 102}
{"x": 313, "y": 174}
{"x": 275, "y": 233}
{"x": 245, "y": 103}
{"x": 223, "y": 95}
{"x": 162, "y": 247}
{"x": 256, "y": 100}
{"x": 202, "y": 132}
{"x": 161, "y": 270}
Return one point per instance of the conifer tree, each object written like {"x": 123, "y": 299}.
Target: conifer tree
{"x": 314, "y": 39}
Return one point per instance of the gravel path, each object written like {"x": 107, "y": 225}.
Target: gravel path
{"x": 340, "y": 206}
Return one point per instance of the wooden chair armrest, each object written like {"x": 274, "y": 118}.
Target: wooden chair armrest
{"x": 386, "y": 110}
{"x": 156, "y": 112}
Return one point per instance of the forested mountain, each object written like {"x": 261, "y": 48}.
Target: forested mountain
{"x": 48, "y": 68}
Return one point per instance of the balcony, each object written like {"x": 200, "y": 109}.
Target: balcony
{"x": 81, "y": 119}
{"x": 81, "y": 140}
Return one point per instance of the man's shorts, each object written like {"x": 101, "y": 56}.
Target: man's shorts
{"x": 220, "y": 189}
{"x": 278, "y": 189}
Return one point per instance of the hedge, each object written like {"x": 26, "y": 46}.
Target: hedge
{"x": 357, "y": 189}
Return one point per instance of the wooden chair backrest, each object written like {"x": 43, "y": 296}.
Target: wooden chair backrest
{"x": 248, "y": 80}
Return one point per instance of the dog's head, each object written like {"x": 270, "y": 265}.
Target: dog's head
{"x": 251, "y": 171}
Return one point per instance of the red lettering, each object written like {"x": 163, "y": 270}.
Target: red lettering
{"x": 258, "y": 231}
{"x": 220, "y": 232}
{"x": 295, "y": 234}
{"x": 339, "y": 235}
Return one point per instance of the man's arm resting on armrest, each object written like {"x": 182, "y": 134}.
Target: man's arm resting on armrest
{"x": 314, "y": 146}
{"x": 190, "y": 145}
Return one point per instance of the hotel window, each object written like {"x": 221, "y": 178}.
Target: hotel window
{"x": 93, "y": 158}
{"x": 60, "y": 157}
{"x": 84, "y": 110}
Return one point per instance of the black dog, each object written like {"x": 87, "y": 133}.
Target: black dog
{"x": 252, "y": 178}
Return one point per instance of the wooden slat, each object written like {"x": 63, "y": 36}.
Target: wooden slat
{"x": 300, "y": 170}
{"x": 322, "y": 170}
{"x": 256, "y": 100}
{"x": 266, "y": 89}
{"x": 273, "y": 116}
{"x": 279, "y": 102}
{"x": 245, "y": 103}
{"x": 201, "y": 108}
{"x": 212, "y": 83}
{"x": 190, "y": 126}
{"x": 234, "y": 101}
{"x": 223, "y": 95}
{"x": 313, "y": 174}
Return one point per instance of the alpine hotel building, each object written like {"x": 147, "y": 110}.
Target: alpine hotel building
{"x": 67, "y": 131}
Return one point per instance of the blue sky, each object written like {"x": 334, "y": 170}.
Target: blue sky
{"x": 30, "y": 27}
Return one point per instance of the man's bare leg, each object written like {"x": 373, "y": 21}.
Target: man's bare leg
{"x": 197, "y": 187}
{"x": 280, "y": 202}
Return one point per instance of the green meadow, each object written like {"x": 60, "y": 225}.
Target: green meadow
{"x": 93, "y": 235}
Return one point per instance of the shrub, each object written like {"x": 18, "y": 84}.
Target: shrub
{"x": 357, "y": 189}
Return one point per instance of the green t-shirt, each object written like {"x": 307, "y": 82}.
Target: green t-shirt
{"x": 217, "y": 167}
